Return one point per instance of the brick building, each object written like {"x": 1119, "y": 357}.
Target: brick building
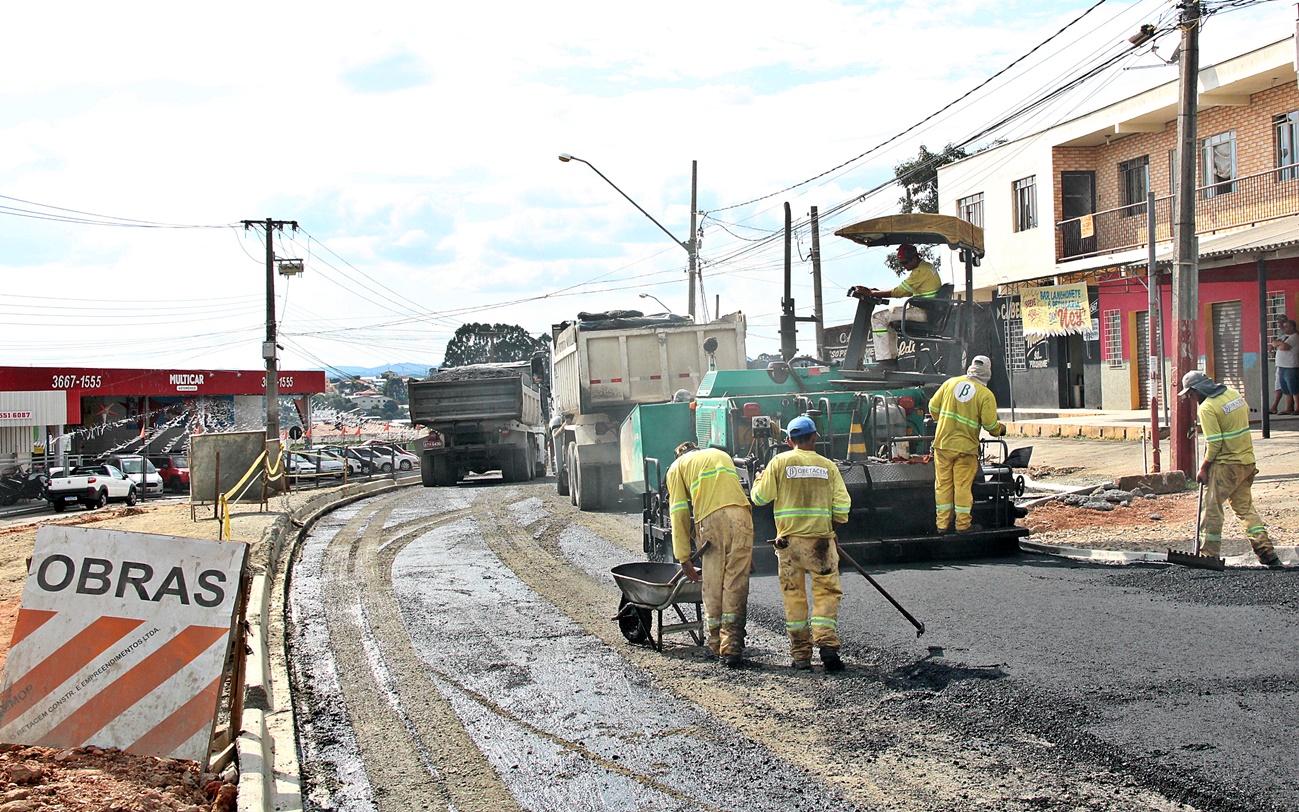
{"x": 1092, "y": 174}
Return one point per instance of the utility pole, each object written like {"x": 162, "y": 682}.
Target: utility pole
{"x": 692, "y": 247}
{"x": 817, "y": 298}
{"x": 1153, "y": 325}
{"x": 269, "y": 347}
{"x": 1186, "y": 295}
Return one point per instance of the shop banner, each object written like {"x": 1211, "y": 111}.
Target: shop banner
{"x": 1056, "y": 311}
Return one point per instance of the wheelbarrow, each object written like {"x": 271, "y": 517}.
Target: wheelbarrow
{"x": 648, "y": 589}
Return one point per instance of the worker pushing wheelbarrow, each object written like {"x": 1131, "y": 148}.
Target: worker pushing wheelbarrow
{"x": 649, "y": 589}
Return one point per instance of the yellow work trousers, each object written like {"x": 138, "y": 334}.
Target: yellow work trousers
{"x": 1232, "y": 482}
{"x": 726, "y": 562}
{"x": 953, "y": 487}
{"x": 818, "y": 558}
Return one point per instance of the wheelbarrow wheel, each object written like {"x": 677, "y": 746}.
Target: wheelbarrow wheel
{"x": 633, "y": 621}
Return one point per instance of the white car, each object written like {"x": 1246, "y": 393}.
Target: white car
{"x": 91, "y": 485}
{"x": 140, "y": 471}
{"x": 313, "y": 467}
{"x": 353, "y": 466}
{"x": 392, "y": 453}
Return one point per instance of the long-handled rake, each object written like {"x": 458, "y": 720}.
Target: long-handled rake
{"x": 920, "y": 627}
{"x": 1205, "y": 562}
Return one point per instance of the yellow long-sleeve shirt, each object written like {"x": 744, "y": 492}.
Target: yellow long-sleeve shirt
{"x": 923, "y": 281}
{"x": 962, "y": 406}
{"x": 707, "y": 479}
{"x": 808, "y": 492}
{"x": 1224, "y": 419}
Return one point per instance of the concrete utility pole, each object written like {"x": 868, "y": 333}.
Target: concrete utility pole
{"x": 269, "y": 347}
{"x": 1153, "y": 325}
{"x": 692, "y": 247}
{"x": 1186, "y": 298}
{"x": 817, "y": 299}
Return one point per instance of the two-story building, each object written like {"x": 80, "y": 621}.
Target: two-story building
{"x": 1065, "y": 210}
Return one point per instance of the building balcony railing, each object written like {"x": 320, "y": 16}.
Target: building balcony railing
{"x": 1235, "y": 203}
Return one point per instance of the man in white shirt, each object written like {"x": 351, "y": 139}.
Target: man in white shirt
{"x": 1287, "y": 367}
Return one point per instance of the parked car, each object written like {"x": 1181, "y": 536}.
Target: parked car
{"x": 353, "y": 465}
{"x": 405, "y": 460}
{"x": 379, "y": 460}
{"x": 301, "y": 466}
{"x": 174, "y": 470}
{"x": 365, "y": 462}
{"x": 140, "y": 471}
{"x": 91, "y": 485}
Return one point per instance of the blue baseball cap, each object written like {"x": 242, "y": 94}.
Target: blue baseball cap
{"x": 800, "y": 426}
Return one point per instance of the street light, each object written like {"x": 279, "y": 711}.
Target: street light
{"x": 657, "y": 299}
{"x": 691, "y": 245}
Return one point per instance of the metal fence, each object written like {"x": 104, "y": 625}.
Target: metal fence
{"x": 1239, "y": 202}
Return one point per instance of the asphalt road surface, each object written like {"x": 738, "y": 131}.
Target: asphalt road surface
{"x": 453, "y": 648}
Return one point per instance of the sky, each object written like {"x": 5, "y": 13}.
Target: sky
{"x": 416, "y": 144}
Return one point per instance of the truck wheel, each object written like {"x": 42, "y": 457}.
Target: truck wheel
{"x": 572, "y": 474}
{"x": 442, "y": 476}
{"x": 588, "y": 487}
{"x": 561, "y": 473}
{"x": 527, "y": 467}
{"x": 427, "y": 477}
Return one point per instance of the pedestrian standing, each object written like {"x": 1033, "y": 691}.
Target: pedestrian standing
{"x": 706, "y": 481}
{"x": 808, "y": 498}
{"x": 962, "y": 407}
{"x": 1287, "y": 367}
{"x": 1228, "y": 471}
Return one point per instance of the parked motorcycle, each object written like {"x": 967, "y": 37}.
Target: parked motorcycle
{"x": 22, "y": 485}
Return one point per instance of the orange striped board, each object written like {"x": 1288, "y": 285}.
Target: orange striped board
{"x": 121, "y": 641}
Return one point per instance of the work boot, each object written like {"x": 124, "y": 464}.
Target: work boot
{"x": 732, "y": 660}
{"x": 830, "y": 659}
{"x": 886, "y": 363}
{"x": 973, "y": 528}
{"x": 801, "y": 665}
{"x": 1271, "y": 560}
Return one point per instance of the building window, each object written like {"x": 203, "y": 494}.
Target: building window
{"x": 1218, "y": 164}
{"x": 1286, "y": 128}
{"x": 970, "y": 209}
{"x": 1113, "y": 339}
{"x": 1025, "y": 203}
{"x": 1134, "y": 185}
{"x": 1275, "y": 310}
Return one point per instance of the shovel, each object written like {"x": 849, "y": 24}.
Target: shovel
{"x": 1205, "y": 562}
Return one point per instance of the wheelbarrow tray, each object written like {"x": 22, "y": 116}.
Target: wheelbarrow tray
{"x": 655, "y": 585}
{"x": 649, "y": 588}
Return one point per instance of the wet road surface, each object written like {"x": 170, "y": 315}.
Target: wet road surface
{"x": 452, "y": 648}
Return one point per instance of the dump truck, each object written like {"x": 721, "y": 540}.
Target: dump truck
{"x": 871, "y": 420}
{"x": 480, "y": 417}
{"x": 602, "y": 366}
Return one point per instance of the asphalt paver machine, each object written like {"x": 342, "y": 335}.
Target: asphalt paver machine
{"x": 872, "y": 422}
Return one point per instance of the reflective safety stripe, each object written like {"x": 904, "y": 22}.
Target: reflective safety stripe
{"x": 825, "y": 621}
{"x": 1213, "y": 537}
{"x": 1226, "y": 435}
{"x": 714, "y": 621}
{"x": 795, "y": 625}
{"x": 802, "y": 512}
{"x": 676, "y": 506}
{"x": 949, "y": 505}
{"x": 960, "y": 509}
{"x": 730, "y": 617}
{"x": 1259, "y": 529}
{"x": 841, "y": 508}
{"x": 880, "y": 332}
{"x": 711, "y": 474}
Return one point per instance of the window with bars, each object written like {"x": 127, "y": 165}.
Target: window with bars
{"x": 1286, "y": 130}
{"x": 1275, "y": 312}
{"x": 970, "y": 209}
{"x": 1134, "y": 185}
{"x": 1025, "y": 203}
{"x": 1016, "y": 348}
{"x": 1113, "y": 339}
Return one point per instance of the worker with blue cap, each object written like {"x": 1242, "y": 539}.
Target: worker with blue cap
{"x": 808, "y": 497}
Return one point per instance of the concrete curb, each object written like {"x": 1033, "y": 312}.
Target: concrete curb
{"x": 1288, "y": 555}
{"x": 267, "y": 746}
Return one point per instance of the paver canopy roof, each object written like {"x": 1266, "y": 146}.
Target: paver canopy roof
{"x": 921, "y": 229}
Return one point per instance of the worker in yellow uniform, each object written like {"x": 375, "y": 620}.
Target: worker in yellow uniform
{"x": 922, "y": 282}
{"x": 808, "y": 498}
{"x": 723, "y": 522}
{"x": 962, "y": 407}
{"x": 1228, "y": 470}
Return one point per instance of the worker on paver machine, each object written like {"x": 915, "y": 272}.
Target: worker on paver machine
{"x": 923, "y": 282}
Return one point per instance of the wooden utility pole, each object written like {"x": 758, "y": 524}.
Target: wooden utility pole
{"x": 817, "y": 299}
{"x": 1186, "y": 298}
{"x": 269, "y": 346}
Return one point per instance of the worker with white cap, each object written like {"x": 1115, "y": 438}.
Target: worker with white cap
{"x": 1228, "y": 470}
{"x": 922, "y": 282}
{"x": 962, "y": 407}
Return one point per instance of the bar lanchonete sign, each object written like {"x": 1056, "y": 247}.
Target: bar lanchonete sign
{"x": 1055, "y": 311}
{"x": 121, "y": 641}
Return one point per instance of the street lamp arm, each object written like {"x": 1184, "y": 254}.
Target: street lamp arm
{"x": 566, "y": 158}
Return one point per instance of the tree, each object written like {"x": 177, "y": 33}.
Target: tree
{"x": 490, "y": 343}
{"x": 918, "y": 178}
{"x": 395, "y": 388}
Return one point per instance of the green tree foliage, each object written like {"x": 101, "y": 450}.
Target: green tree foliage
{"x": 395, "y": 388}
{"x": 490, "y": 343}
{"x": 918, "y": 178}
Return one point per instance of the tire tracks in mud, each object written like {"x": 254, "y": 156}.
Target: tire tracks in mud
{"x": 412, "y": 742}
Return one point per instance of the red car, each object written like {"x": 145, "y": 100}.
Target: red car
{"x": 174, "y": 469}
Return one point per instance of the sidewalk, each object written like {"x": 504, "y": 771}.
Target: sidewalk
{"x": 1110, "y": 424}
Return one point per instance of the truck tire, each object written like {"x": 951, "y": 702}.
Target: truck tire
{"x": 572, "y": 474}
{"x": 442, "y": 476}
{"x": 561, "y": 472}
{"x": 426, "y": 475}
{"x": 528, "y": 464}
{"x": 587, "y": 485}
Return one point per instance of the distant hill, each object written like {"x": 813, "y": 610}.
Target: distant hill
{"x": 403, "y": 369}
